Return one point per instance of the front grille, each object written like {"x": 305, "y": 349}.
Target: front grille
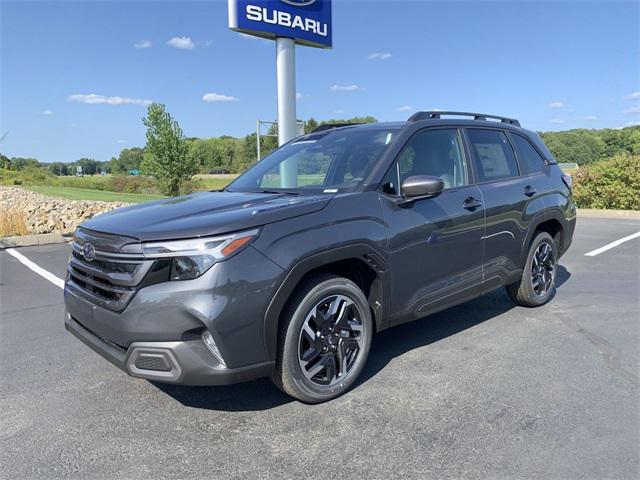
{"x": 109, "y": 280}
{"x": 121, "y": 267}
{"x": 97, "y": 285}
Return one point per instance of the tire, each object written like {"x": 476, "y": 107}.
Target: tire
{"x": 537, "y": 285}
{"x": 318, "y": 369}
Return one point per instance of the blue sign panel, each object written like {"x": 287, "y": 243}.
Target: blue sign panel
{"x": 308, "y": 22}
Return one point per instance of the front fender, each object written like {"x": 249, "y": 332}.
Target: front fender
{"x": 350, "y": 227}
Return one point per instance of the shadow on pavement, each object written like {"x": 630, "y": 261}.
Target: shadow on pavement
{"x": 252, "y": 396}
{"x": 262, "y": 394}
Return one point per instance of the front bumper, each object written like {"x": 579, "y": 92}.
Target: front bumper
{"x": 185, "y": 362}
{"x": 159, "y": 334}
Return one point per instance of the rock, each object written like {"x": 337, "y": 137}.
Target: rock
{"x": 44, "y": 214}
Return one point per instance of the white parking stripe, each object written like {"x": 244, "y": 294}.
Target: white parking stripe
{"x": 611, "y": 245}
{"x": 58, "y": 282}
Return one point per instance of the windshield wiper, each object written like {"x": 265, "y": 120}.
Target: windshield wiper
{"x": 279, "y": 192}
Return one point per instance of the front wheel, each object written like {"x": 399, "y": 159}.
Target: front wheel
{"x": 324, "y": 339}
{"x": 537, "y": 285}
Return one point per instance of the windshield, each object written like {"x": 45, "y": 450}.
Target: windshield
{"x": 331, "y": 161}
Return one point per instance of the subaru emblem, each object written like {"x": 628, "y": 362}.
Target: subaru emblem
{"x": 88, "y": 252}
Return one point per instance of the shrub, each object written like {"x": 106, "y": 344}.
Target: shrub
{"x": 131, "y": 184}
{"x": 613, "y": 183}
{"x": 190, "y": 186}
{"x": 28, "y": 176}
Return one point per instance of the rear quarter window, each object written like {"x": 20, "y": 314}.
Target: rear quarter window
{"x": 530, "y": 160}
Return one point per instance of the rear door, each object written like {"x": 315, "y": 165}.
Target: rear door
{"x": 510, "y": 201}
{"x": 434, "y": 244}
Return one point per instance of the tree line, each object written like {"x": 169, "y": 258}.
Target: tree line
{"x": 172, "y": 158}
{"x": 586, "y": 146}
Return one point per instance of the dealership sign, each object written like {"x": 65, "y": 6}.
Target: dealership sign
{"x": 308, "y": 22}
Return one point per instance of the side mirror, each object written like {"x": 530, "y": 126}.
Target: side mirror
{"x": 421, "y": 186}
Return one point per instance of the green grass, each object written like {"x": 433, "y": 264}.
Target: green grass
{"x": 214, "y": 183}
{"x": 73, "y": 193}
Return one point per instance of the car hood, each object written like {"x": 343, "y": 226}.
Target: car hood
{"x": 201, "y": 214}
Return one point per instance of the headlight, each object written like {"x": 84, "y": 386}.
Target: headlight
{"x": 191, "y": 258}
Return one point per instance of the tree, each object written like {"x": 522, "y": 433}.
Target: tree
{"x": 19, "y": 163}
{"x": 5, "y": 162}
{"x": 167, "y": 156}
{"x": 89, "y": 166}
{"x": 129, "y": 159}
{"x": 575, "y": 146}
{"x": 58, "y": 168}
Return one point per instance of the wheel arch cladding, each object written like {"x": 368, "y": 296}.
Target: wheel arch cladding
{"x": 553, "y": 226}
{"x": 359, "y": 263}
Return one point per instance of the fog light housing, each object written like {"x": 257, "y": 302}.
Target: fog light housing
{"x": 208, "y": 341}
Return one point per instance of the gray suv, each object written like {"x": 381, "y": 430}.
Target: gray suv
{"x": 339, "y": 234}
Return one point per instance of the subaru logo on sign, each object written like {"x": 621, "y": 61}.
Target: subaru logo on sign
{"x": 88, "y": 252}
{"x": 307, "y": 22}
{"x": 299, "y": 3}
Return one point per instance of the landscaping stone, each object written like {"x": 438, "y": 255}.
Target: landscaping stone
{"x": 44, "y": 214}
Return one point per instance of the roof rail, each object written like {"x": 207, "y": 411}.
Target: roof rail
{"x": 476, "y": 116}
{"x": 329, "y": 126}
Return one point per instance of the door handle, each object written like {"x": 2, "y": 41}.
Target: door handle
{"x": 471, "y": 203}
{"x": 529, "y": 191}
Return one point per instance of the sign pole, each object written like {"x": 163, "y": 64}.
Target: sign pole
{"x": 286, "y": 80}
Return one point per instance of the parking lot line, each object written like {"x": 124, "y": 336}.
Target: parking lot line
{"x": 58, "y": 282}
{"x": 611, "y": 245}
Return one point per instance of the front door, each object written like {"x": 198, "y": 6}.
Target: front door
{"x": 434, "y": 244}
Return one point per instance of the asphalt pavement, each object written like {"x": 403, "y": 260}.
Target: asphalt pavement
{"x": 483, "y": 390}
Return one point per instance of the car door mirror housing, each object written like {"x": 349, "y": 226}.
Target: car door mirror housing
{"x": 421, "y": 186}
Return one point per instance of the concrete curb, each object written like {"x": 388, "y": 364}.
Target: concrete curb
{"x": 621, "y": 214}
{"x": 31, "y": 240}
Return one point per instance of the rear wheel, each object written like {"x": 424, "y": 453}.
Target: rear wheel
{"x": 537, "y": 285}
{"x": 324, "y": 340}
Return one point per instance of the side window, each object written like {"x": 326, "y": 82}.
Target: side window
{"x": 437, "y": 153}
{"x": 530, "y": 159}
{"x": 492, "y": 153}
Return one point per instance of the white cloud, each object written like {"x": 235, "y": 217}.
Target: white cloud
{"x": 405, "y": 108}
{"x": 556, "y": 105}
{"x": 344, "y": 88}
{"x": 338, "y": 111}
{"x": 558, "y": 120}
{"x": 632, "y": 110}
{"x": 143, "y": 44}
{"x": 379, "y": 56}
{"x": 94, "y": 99}
{"x": 633, "y": 96}
{"x": 218, "y": 97}
{"x": 121, "y": 141}
{"x": 589, "y": 117}
{"x": 183, "y": 43}
{"x": 632, "y": 124}
{"x": 47, "y": 112}
{"x": 299, "y": 96}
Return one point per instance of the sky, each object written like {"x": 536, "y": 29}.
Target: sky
{"x": 76, "y": 76}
